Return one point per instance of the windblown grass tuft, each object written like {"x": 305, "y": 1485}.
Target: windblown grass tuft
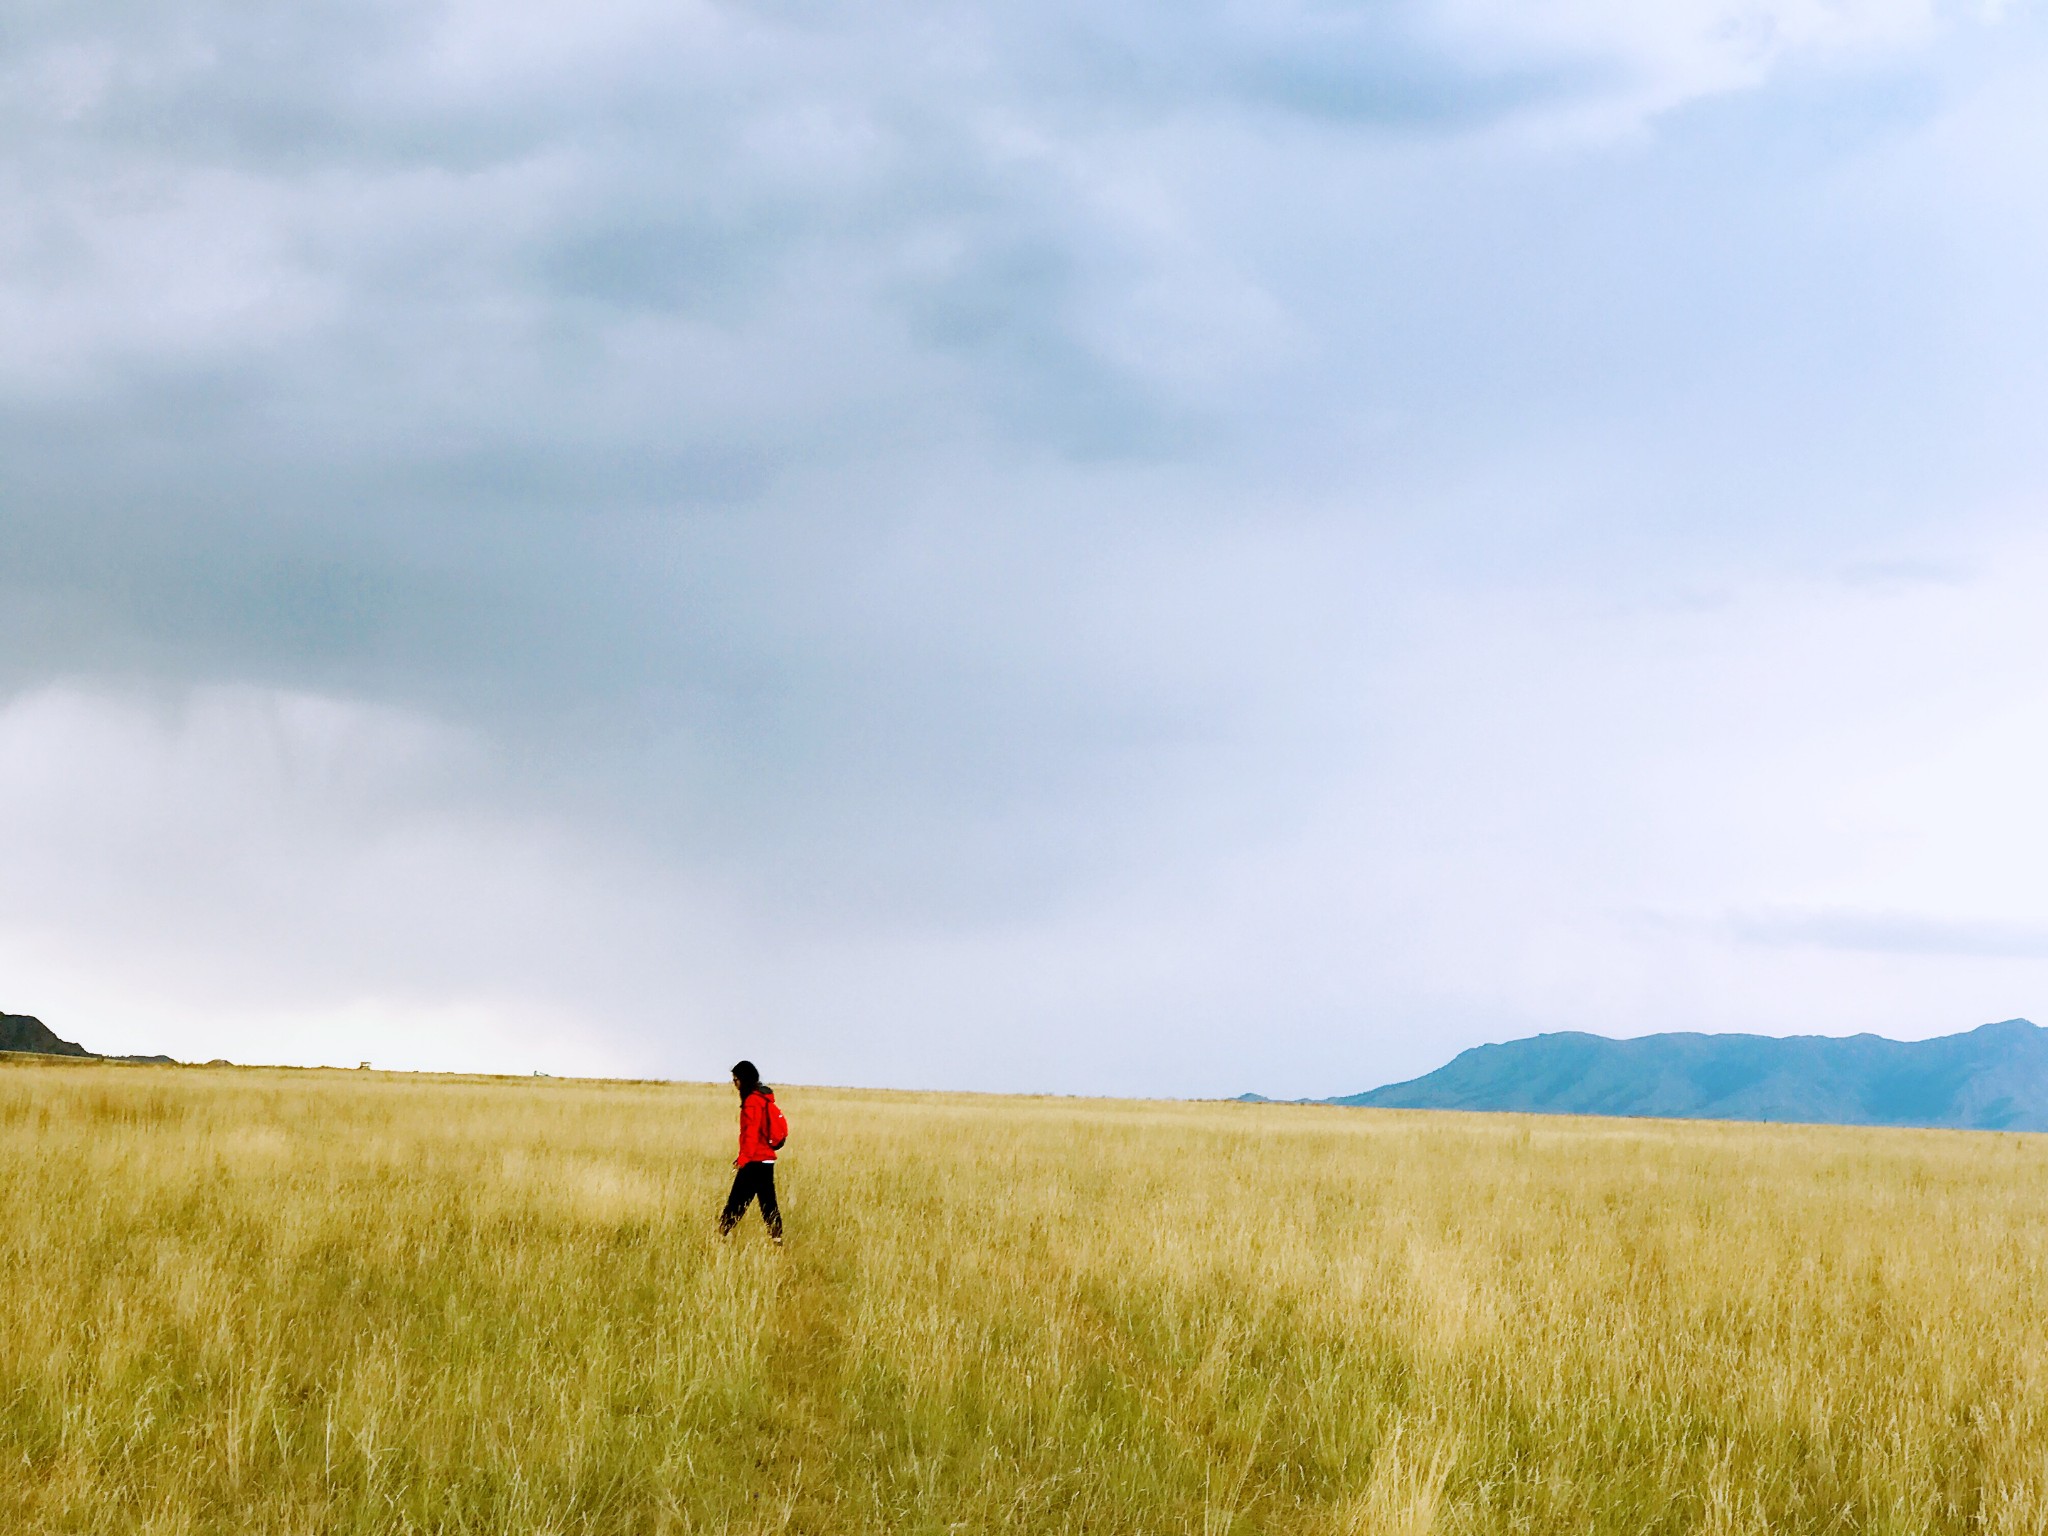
{"x": 240, "y": 1300}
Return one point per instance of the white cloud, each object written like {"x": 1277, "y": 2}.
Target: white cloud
{"x": 291, "y": 877}
{"x": 1643, "y": 59}
{"x": 163, "y": 264}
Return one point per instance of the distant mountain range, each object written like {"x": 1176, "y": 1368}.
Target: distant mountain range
{"x": 1993, "y": 1079}
{"x": 19, "y": 1032}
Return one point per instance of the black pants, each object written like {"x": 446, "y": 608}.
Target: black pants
{"x": 752, "y": 1181}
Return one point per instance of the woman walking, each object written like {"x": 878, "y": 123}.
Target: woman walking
{"x": 762, "y": 1133}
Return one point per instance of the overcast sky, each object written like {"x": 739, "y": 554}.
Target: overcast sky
{"x": 1144, "y": 548}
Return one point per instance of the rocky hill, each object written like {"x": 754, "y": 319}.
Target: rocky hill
{"x": 19, "y": 1032}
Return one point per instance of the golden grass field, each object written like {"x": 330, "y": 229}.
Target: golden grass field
{"x": 241, "y": 1300}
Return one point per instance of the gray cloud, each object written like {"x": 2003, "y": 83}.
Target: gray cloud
{"x": 954, "y": 505}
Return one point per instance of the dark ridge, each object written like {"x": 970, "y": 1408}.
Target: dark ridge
{"x": 19, "y": 1032}
{"x": 1992, "y": 1079}
{"x": 31, "y": 1036}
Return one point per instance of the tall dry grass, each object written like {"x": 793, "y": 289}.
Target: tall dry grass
{"x": 245, "y": 1301}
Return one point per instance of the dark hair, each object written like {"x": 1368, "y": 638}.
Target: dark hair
{"x": 748, "y": 1074}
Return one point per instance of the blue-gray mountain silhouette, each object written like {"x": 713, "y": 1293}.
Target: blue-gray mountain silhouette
{"x": 1993, "y": 1079}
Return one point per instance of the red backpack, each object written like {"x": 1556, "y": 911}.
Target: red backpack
{"x": 778, "y": 1127}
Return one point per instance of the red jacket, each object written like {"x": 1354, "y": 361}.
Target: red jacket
{"x": 754, "y": 1146}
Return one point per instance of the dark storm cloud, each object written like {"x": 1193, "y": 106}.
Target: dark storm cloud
{"x": 500, "y": 347}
